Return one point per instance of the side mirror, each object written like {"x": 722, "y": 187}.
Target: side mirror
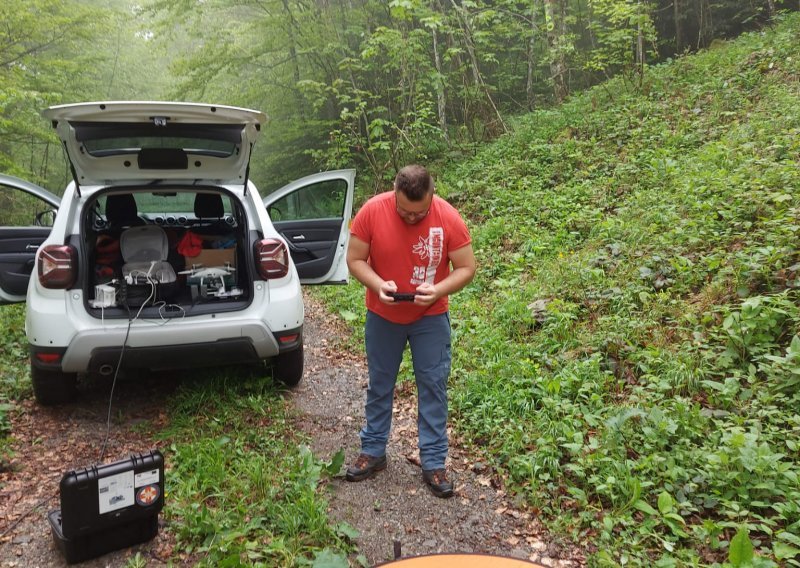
{"x": 45, "y": 218}
{"x": 275, "y": 212}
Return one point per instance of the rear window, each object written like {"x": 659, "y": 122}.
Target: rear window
{"x": 151, "y": 204}
{"x": 105, "y": 139}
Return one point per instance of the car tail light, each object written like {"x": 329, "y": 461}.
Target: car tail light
{"x": 49, "y": 358}
{"x": 58, "y": 266}
{"x": 272, "y": 258}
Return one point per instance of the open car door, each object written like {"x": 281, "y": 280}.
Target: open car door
{"x": 27, "y": 212}
{"x": 313, "y": 216}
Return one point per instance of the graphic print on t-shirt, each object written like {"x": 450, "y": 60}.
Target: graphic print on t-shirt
{"x": 429, "y": 249}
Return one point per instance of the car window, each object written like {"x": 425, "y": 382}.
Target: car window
{"x": 21, "y": 209}
{"x": 317, "y": 201}
{"x": 159, "y": 202}
{"x": 100, "y": 139}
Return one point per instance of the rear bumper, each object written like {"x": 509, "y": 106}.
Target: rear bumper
{"x": 60, "y": 322}
{"x": 86, "y": 355}
{"x": 173, "y": 346}
{"x": 160, "y": 358}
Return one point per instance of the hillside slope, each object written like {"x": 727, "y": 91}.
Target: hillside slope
{"x": 628, "y": 355}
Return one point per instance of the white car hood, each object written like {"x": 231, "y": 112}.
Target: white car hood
{"x": 135, "y": 141}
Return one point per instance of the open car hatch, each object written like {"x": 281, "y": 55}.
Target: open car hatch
{"x": 109, "y": 142}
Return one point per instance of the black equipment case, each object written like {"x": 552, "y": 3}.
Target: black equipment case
{"x": 108, "y": 507}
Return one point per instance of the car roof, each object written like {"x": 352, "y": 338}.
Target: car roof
{"x": 127, "y": 141}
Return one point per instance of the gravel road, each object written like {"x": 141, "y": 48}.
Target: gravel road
{"x": 392, "y": 510}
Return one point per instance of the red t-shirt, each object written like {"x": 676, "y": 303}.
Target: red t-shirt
{"x": 409, "y": 254}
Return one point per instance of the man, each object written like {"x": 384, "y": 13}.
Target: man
{"x": 405, "y": 241}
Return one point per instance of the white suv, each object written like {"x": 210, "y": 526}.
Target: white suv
{"x": 161, "y": 253}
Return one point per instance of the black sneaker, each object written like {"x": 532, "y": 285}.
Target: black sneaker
{"x": 365, "y": 466}
{"x": 438, "y": 482}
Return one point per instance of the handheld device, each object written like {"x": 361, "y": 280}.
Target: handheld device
{"x": 402, "y": 297}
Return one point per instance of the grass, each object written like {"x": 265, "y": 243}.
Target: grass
{"x": 242, "y": 487}
{"x": 15, "y": 383}
{"x": 627, "y": 354}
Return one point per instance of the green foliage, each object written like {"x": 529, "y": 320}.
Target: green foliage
{"x": 15, "y": 381}
{"x": 242, "y": 490}
{"x": 64, "y": 51}
{"x": 617, "y": 26}
{"x": 627, "y": 355}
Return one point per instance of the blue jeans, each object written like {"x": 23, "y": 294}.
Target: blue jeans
{"x": 429, "y": 339}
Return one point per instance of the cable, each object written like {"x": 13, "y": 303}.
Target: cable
{"x": 111, "y": 396}
{"x": 163, "y": 305}
{"x": 150, "y": 298}
{"x": 13, "y": 525}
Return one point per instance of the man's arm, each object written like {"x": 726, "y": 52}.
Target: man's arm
{"x": 463, "y": 261}
{"x": 357, "y": 255}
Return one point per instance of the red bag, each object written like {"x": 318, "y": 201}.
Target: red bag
{"x": 190, "y": 244}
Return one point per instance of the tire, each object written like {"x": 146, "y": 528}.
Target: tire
{"x": 53, "y": 387}
{"x": 288, "y": 367}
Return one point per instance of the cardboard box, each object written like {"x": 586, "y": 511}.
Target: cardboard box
{"x": 212, "y": 258}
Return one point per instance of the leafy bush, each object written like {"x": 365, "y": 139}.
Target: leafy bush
{"x": 242, "y": 490}
{"x": 627, "y": 355}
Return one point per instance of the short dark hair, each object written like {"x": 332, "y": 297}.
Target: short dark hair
{"x": 414, "y": 181}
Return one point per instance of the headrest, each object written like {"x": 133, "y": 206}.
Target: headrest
{"x": 121, "y": 210}
{"x": 208, "y": 205}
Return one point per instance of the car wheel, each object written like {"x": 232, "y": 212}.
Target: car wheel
{"x": 53, "y": 387}
{"x": 288, "y": 367}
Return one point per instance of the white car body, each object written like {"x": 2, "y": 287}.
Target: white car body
{"x": 71, "y": 331}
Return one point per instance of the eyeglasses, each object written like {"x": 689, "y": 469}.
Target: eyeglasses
{"x": 412, "y": 216}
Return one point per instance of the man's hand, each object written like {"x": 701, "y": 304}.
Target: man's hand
{"x": 388, "y": 287}
{"x": 426, "y": 294}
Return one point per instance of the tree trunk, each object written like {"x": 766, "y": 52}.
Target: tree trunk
{"x": 441, "y": 99}
{"x": 771, "y": 8}
{"x": 639, "y": 43}
{"x": 531, "y": 61}
{"x": 476, "y": 72}
{"x": 558, "y": 66}
{"x": 676, "y": 16}
{"x": 292, "y": 43}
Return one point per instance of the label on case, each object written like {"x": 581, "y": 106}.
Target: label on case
{"x": 147, "y": 495}
{"x": 146, "y": 478}
{"x": 115, "y": 492}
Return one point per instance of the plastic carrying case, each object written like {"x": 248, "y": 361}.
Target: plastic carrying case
{"x": 147, "y": 274}
{"x": 108, "y": 507}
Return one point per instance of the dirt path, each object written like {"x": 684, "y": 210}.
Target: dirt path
{"x": 393, "y": 507}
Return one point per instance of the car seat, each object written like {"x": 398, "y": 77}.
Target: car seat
{"x": 210, "y": 210}
{"x": 144, "y": 252}
{"x": 121, "y": 211}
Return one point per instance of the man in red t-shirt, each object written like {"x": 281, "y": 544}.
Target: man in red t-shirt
{"x": 403, "y": 244}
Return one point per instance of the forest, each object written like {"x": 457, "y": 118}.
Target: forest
{"x": 370, "y": 84}
{"x": 627, "y": 356}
